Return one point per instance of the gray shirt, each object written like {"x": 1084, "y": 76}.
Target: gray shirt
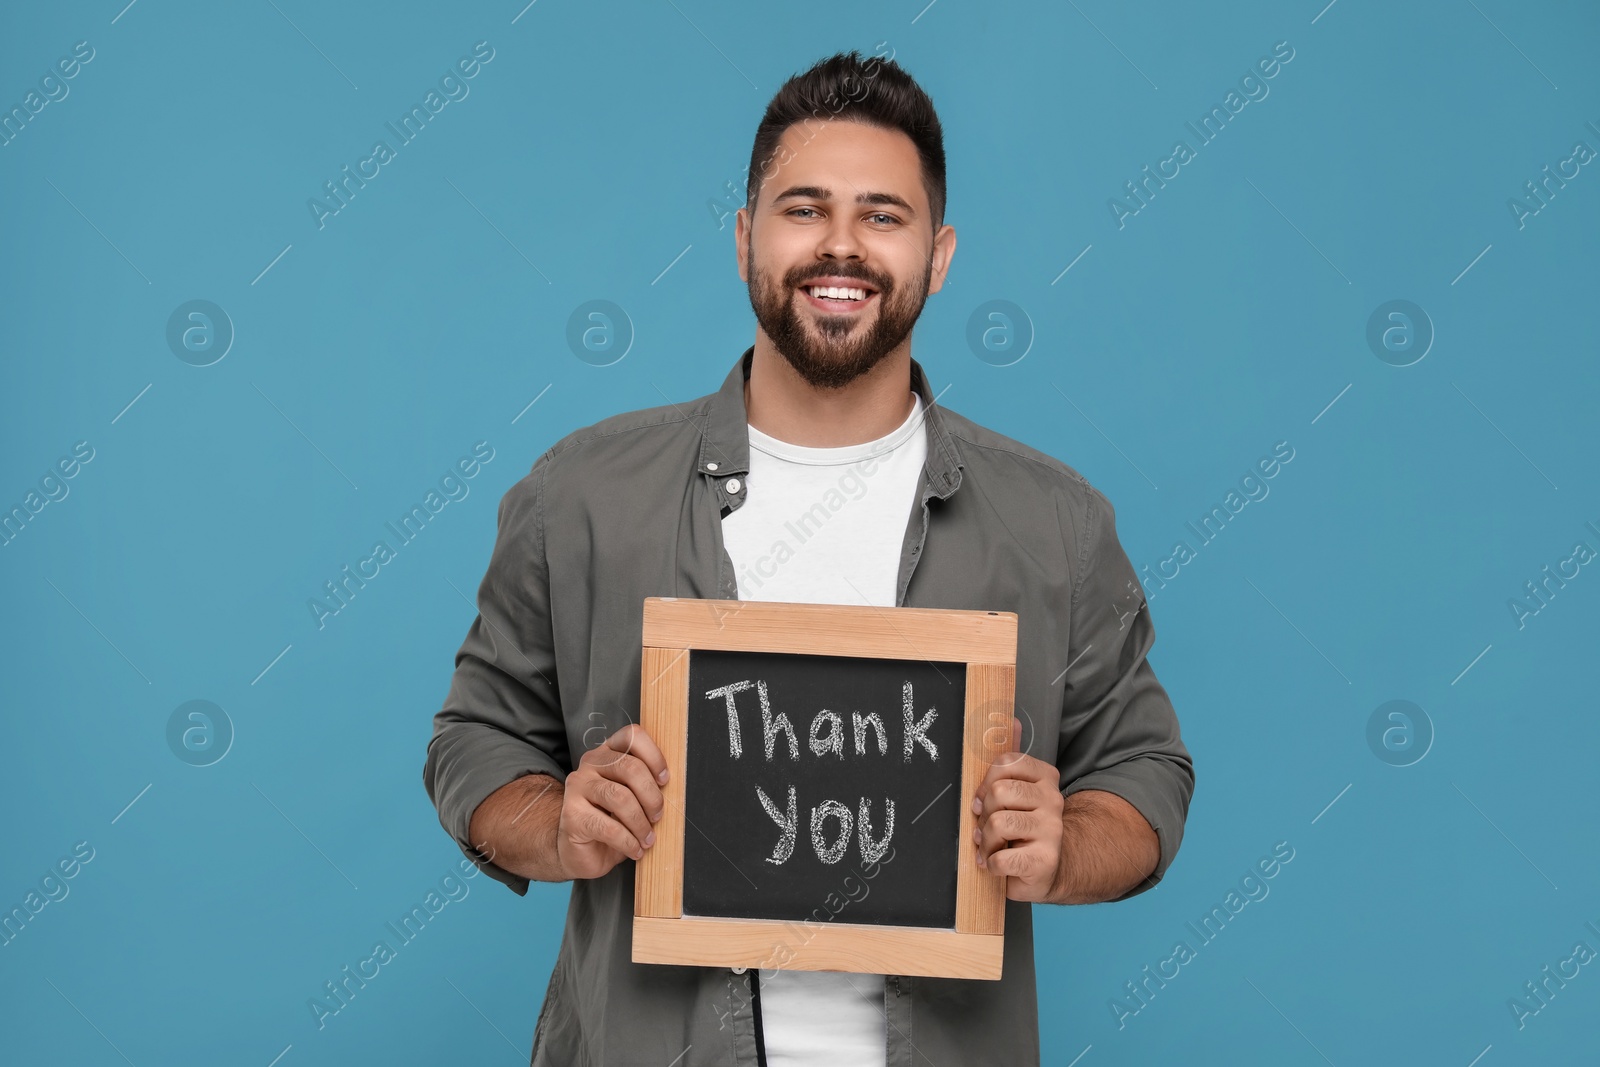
{"x": 630, "y": 508}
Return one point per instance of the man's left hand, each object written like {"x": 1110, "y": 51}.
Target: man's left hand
{"x": 1018, "y": 830}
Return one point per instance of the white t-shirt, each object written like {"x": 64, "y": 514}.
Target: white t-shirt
{"x": 825, "y": 526}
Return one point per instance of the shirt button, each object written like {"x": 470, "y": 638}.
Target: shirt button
{"x": 711, "y": 466}
{"x": 733, "y": 485}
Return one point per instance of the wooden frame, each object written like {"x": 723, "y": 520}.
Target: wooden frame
{"x": 986, "y": 641}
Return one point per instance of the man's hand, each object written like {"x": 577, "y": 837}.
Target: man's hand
{"x": 1018, "y": 833}
{"x": 612, "y": 800}
{"x": 544, "y": 830}
{"x": 1089, "y": 847}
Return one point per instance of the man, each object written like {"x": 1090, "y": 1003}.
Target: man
{"x": 534, "y": 766}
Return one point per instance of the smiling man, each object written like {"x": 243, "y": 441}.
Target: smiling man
{"x": 821, "y": 471}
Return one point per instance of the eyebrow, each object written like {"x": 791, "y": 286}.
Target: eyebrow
{"x": 817, "y": 192}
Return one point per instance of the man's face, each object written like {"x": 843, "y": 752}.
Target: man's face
{"x": 809, "y": 225}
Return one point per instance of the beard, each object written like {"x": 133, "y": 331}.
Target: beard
{"x": 831, "y": 351}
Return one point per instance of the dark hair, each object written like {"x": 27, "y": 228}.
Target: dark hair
{"x": 877, "y": 92}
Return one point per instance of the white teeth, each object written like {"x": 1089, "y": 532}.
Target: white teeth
{"x": 838, "y": 292}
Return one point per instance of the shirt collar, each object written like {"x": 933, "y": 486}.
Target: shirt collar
{"x": 725, "y": 445}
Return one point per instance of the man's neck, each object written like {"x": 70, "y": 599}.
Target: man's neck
{"x": 781, "y": 404}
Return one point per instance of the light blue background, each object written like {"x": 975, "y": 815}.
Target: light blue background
{"x": 1226, "y": 316}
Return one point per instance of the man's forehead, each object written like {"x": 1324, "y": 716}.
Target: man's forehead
{"x": 848, "y": 161}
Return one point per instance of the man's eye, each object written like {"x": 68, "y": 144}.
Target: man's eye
{"x": 879, "y": 216}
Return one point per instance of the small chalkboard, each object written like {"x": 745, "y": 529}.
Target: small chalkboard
{"x": 824, "y": 759}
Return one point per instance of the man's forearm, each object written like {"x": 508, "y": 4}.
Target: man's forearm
{"x": 1107, "y": 848}
{"x": 515, "y": 827}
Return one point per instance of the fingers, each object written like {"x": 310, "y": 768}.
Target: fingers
{"x": 1005, "y": 829}
{"x": 1031, "y": 778}
{"x": 1018, "y": 806}
{"x": 1018, "y": 833}
{"x": 586, "y": 824}
{"x": 613, "y": 798}
{"x": 619, "y": 801}
{"x": 631, "y": 772}
{"x": 1014, "y": 794}
{"x": 632, "y": 740}
{"x": 1030, "y": 865}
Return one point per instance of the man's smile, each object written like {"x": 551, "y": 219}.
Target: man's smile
{"x": 838, "y": 295}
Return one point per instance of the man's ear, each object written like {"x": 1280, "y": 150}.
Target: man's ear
{"x": 741, "y": 240}
{"x": 944, "y": 249}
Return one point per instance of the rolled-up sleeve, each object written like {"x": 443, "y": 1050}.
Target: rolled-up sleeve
{"x": 1119, "y": 732}
{"x": 502, "y": 716}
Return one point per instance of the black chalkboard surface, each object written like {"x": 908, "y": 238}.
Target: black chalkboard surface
{"x": 805, "y": 770}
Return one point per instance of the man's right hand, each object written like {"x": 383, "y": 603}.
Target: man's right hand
{"x": 611, "y": 802}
